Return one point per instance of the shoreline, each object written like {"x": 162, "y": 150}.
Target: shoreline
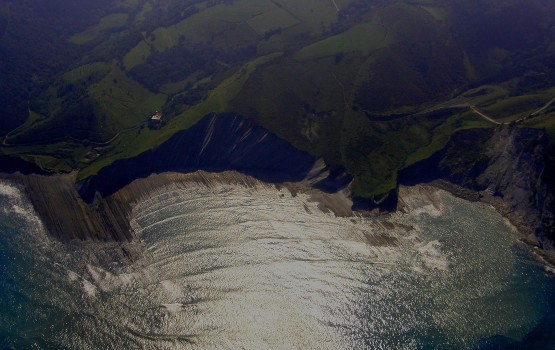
{"x": 526, "y": 235}
{"x": 423, "y": 253}
{"x": 509, "y": 176}
{"x": 339, "y": 203}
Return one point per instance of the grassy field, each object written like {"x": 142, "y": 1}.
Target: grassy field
{"x": 194, "y": 79}
{"x": 308, "y": 100}
{"x": 120, "y": 102}
{"x": 518, "y": 107}
{"x": 303, "y": 102}
{"x": 137, "y": 55}
{"x": 32, "y": 121}
{"x": 544, "y": 120}
{"x": 223, "y": 26}
{"x": 504, "y": 105}
{"x": 344, "y": 80}
{"x": 61, "y": 156}
{"x": 231, "y": 27}
{"x": 124, "y": 102}
{"x": 365, "y": 38}
{"x": 315, "y": 15}
{"x": 438, "y": 12}
{"x": 145, "y": 10}
{"x": 441, "y": 135}
{"x": 376, "y": 151}
{"x": 271, "y": 20}
{"x": 135, "y": 142}
{"x": 112, "y": 21}
{"x": 86, "y": 71}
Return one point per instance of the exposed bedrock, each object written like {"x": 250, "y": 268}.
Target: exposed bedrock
{"x": 99, "y": 208}
{"x": 217, "y": 143}
{"x": 67, "y": 216}
{"x": 505, "y": 167}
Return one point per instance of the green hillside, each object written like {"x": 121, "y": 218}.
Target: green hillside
{"x": 372, "y": 85}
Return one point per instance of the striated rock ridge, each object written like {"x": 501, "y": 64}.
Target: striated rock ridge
{"x": 216, "y": 143}
{"x": 99, "y": 208}
{"x": 67, "y": 216}
{"x": 504, "y": 167}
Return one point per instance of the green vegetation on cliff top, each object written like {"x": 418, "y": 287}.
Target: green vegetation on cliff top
{"x": 374, "y": 86}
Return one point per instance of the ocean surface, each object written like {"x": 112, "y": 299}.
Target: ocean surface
{"x": 234, "y": 267}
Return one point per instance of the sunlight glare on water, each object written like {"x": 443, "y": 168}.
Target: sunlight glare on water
{"x": 229, "y": 266}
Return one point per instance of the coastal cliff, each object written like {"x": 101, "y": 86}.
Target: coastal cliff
{"x": 99, "y": 208}
{"x": 504, "y": 167}
{"x": 67, "y": 216}
{"x": 215, "y": 144}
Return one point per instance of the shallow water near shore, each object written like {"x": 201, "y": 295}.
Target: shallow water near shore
{"x": 230, "y": 266}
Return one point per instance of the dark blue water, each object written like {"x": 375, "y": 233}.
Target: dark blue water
{"x": 232, "y": 267}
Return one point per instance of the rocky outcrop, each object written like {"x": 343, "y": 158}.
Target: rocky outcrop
{"x": 67, "y": 216}
{"x": 216, "y": 143}
{"x": 99, "y": 208}
{"x": 504, "y": 167}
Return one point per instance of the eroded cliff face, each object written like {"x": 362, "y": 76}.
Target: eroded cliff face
{"x": 504, "y": 167}
{"x": 66, "y": 215}
{"x": 217, "y": 143}
{"x": 99, "y": 208}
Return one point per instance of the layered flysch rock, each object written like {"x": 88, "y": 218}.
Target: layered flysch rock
{"x": 67, "y": 216}
{"x": 99, "y": 208}
{"x": 217, "y": 143}
{"x": 505, "y": 167}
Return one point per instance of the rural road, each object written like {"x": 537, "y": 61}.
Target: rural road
{"x": 543, "y": 108}
{"x": 483, "y": 115}
{"x": 488, "y": 118}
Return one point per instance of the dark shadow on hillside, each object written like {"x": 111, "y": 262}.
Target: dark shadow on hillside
{"x": 215, "y": 144}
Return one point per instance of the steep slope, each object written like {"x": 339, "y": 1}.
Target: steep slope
{"x": 217, "y": 143}
{"x": 507, "y": 168}
{"x": 372, "y": 86}
{"x": 99, "y": 208}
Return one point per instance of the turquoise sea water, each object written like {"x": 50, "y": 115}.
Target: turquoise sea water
{"x": 233, "y": 267}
